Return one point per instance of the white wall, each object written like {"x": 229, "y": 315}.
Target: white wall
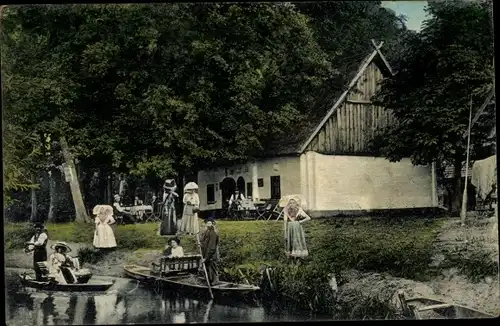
{"x": 288, "y": 168}
{"x": 364, "y": 183}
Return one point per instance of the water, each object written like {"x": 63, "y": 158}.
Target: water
{"x": 128, "y": 303}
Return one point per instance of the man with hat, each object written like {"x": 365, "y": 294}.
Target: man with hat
{"x": 38, "y": 245}
{"x": 209, "y": 243}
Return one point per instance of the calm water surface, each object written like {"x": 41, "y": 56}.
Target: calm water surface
{"x": 128, "y": 303}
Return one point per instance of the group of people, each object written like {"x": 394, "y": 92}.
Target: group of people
{"x": 62, "y": 267}
{"x": 208, "y": 242}
{"x": 189, "y": 222}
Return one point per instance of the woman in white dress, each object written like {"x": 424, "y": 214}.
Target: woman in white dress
{"x": 59, "y": 259}
{"x": 104, "y": 236}
{"x": 189, "y": 223}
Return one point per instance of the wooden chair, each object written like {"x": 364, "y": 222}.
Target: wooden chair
{"x": 276, "y": 211}
{"x": 155, "y": 215}
{"x": 263, "y": 212}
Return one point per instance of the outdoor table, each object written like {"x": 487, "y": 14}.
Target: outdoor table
{"x": 138, "y": 210}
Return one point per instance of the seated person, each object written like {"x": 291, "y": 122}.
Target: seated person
{"x": 62, "y": 267}
{"x": 235, "y": 202}
{"x": 172, "y": 250}
{"x": 119, "y": 212}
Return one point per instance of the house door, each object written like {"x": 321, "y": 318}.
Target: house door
{"x": 227, "y": 187}
{"x": 275, "y": 187}
{"x": 241, "y": 185}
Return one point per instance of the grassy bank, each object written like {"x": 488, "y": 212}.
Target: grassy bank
{"x": 400, "y": 247}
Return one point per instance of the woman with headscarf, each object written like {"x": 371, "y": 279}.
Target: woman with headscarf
{"x": 169, "y": 218}
{"x": 295, "y": 238}
{"x": 104, "y": 236}
{"x": 189, "y": 223}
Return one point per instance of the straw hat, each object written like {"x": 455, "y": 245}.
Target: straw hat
{"x": 61, "y": 244}
{"x": 190, "y": 186}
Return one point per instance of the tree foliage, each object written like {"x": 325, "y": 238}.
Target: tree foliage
{"x": 159, "y": 89}
{"x": 439, "y": 71}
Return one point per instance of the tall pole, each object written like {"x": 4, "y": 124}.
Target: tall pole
{"x": 463, "y": 212}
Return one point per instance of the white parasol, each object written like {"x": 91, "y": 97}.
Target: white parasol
{"x": 285, "y": 199}
{"x": 190, "y": 186}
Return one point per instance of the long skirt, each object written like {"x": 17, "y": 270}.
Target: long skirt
{"x": 296, "y": 240}
{"x": 39, "y": 255}
{"x": 189, "y": 223}
{"x": 168, "y": 223}
{"x": 211, "y": 266}
{"x": 104, "y": 237}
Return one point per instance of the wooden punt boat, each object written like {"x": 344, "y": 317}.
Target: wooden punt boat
{"x": 29, "y": 281}
{"x": 426, "y": 308}
{"x": 186, "y": 281}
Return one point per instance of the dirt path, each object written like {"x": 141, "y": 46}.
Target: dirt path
{"x": 480, "y": 235}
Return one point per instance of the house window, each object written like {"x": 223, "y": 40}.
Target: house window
{"x": 210, "y": 194}
{"x": 249, "y": 190}
{"x": 260, "y": 183}
{"x": 275, "y": 187}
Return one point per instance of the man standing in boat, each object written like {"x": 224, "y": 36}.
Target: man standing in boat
{"x": 38, "y": 245}
{"x": 209, "y": 241}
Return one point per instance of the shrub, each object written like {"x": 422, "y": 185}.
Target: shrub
{"x": 90, "y": 255}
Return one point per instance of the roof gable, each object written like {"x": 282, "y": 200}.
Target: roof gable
{"x": 295, "y": 141}
{"x": 384, "y": 67}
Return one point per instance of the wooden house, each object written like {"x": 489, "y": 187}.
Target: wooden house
{"x": 327, "y": 160}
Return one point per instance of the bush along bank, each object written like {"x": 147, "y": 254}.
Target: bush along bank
{"x": 399, "y": 247}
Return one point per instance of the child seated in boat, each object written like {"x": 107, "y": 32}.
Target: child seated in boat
{"x": 63, "y": 268}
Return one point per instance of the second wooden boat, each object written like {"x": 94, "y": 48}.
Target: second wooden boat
{"x": 426, "y": 308}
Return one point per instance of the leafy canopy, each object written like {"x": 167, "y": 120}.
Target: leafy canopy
{"x": 439, "y": 70}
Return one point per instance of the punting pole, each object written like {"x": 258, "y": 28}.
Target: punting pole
{"x": 204, "y": 267}
{"x": 463, "y": 212}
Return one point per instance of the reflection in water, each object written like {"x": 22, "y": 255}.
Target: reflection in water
{"x": 121, "y": 306}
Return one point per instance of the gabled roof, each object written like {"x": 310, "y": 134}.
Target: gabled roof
{"x": 299, "y": 138}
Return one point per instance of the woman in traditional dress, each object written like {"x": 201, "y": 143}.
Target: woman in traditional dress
{"x": 191, "y": 200}
{"x": 169, "y": 219}
{"x": 295, "y": 239}
{"x": 104, "y": 236}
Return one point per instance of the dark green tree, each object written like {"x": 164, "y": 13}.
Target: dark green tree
{"x": 439, "y": 71}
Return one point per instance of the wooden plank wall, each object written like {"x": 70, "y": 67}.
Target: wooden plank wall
{"x": 355, "y": 122}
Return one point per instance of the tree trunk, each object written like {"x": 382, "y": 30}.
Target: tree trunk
{"x": 34, "y": 202}
{"x": 80, "y": 212}
{"x": 52, "y": 195}
{"x": 456, "y": 199}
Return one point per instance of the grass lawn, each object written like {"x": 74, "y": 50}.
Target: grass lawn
{"x": 401, "y": 247}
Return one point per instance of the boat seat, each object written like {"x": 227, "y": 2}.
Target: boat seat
{"x": 179, "y": 264}
{"x": 44, "y": 268}
{"x": 436, "y": 306}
